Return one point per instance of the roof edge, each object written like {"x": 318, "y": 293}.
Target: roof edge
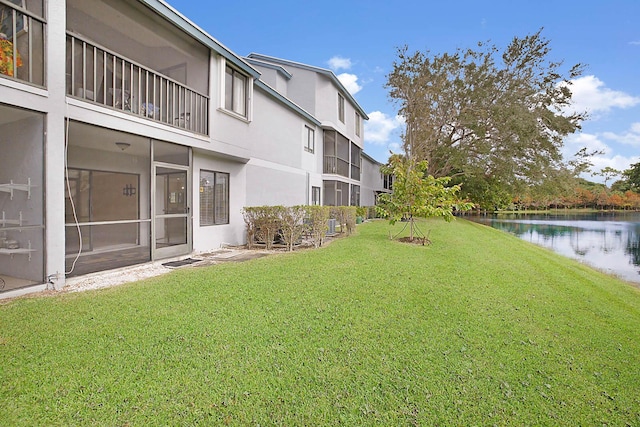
{"x": 324, "y": 71}
{"x": 175, "y": 17}
{"x": 371, "y": 159}
{"x": 269, "y": 65}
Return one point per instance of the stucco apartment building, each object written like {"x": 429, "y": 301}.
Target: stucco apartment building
{"x": 128, "y": 134}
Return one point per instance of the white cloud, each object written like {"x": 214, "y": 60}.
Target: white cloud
{"x": 591, "y": 94}
{"x": 630, "y": 137}
{"x": 339, "y": 63}
{"x": 618, "y": 162}
{"x": 350, "y": 81}
{"x": 635, "y": 42}
{"x": 395, "y": 148}
{"x": 379, "y": 129}
{"x": 608, "y": 159}
{"x": 577, "y": 141}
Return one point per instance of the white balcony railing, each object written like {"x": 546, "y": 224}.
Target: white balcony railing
{"x": 21, "y": 43}
{"x": 95, "y": 74}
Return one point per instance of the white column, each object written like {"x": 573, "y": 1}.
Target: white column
{"x": 55, "y": 142}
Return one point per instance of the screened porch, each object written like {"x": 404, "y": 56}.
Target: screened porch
{"x": 124, "y": 56}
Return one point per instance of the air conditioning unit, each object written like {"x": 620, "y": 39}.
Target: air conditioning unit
{"x": 332, "y": 227}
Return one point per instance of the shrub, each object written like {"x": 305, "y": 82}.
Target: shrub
{"x": 292, "y": 224}
{"x": 349, "y": 215}
{"x": 345, "y": 216}
{"x": 337, "y": 214}
{"x": 250, "y": 214}
{"x": 268, "y": 222}
{"x": 371, "y": 212}
{"x": 361, "y": 211}
{"x": 317, "y": 220}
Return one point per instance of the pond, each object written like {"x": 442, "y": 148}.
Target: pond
{"x": 609, "y": 242}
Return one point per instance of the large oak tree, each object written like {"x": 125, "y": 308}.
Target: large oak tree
{"x": 489, "y": 119}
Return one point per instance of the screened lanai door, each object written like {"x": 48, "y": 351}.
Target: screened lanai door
{"x": 172, "y": 227}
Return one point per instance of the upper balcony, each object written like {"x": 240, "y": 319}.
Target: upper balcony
{"x": 22, "y": 28}
{"x": 339, "y": 159}
{"x": 124, "y": 56}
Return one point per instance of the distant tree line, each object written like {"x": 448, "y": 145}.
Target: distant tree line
{"x": 594, "y": 196}
{"x": 623, "y": 194}
{"x": 571, "y": 193}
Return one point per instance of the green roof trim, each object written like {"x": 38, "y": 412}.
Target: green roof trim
{"x": 371, "y": 159}
{"x": 182, "y": 22}
{"x": 270, "y": 66}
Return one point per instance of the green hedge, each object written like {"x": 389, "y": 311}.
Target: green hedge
{"x": 287, "y": 224}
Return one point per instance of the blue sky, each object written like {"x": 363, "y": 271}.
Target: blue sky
{"x": 358, "y": 41}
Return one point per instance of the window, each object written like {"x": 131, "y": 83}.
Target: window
{"x": 310, "y": 136}
{"x": 214, "y": 198}
{"x": 336, "y": 193}
{"x": 235, "y": 92}
{"x": 315, "y": 195}
{"x": 358, "y": 121}
{"x": 356, "y": 161}
{"x": 355, "y": 195}
{"x": 341, "y": 108}
{"x": 388, "y": 182}
{"x": 22, "y": 41}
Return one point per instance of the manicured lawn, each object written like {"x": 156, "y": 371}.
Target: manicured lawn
{"x": 479, "y": 328}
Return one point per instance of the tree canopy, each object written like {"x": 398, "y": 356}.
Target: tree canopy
{"x": 493, "y": 120}
{"x": 632, "y": 177}
{"x": 416, "y": 194}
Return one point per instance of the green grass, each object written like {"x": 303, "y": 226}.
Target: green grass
{"x": 480, "y": 328}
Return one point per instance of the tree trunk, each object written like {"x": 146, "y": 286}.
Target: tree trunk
{"x": 411, "y": 225}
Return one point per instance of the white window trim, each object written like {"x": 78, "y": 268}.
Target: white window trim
{"x": 227, "y": 199}
{"x": 307, "y": 130}
{"x": 222, "y": 71}
{"x": 319, "y": 193}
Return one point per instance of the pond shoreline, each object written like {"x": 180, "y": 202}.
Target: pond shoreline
{"x": 607, "y": 241}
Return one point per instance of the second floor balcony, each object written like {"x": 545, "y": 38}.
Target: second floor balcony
{"x": 101, "y": 76}
{"x": 341, "y": 157}
{"x": 128, "y": 56}
{"x": 22, "y": 41}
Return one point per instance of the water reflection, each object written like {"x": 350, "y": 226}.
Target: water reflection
{"x": 609, "y": 242}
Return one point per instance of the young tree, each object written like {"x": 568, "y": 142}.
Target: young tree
{"x": 608, "y": 173}
{"x": 417, "y": 194}
{"x": 484, "y": 114}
